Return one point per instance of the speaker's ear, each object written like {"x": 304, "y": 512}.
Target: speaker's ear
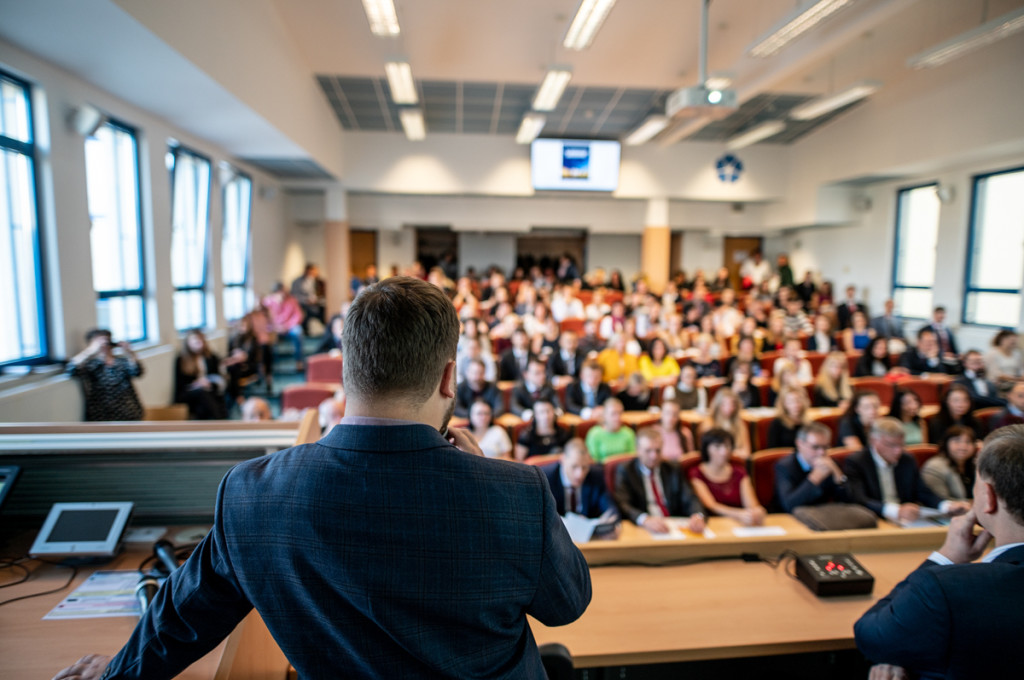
{"x": 86, "y": 120}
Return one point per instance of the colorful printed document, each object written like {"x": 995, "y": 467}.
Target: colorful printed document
{"x": 104, "y": 594}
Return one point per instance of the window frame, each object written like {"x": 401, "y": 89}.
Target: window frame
{"x": 895, "y": 285}
{"x": 29, "y": 149}
{"x": 971, "y": 239}
{"x": 244, "y": 286}
{"x": 141, "y": 291}
{"x": 177, "y": 149}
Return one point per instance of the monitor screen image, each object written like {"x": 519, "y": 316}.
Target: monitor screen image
{"x": 574, "y": 165}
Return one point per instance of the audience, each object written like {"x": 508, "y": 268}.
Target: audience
{"x": 954, "y": 410}
{"x": 874, "y": 362}
{"x": 578, "y": 485}
{"x": 943, "y": 336}
{"x": 822, "y": 339}
{"x": 688, "y": 393}
{"x": 1003, "y": 362}
{"x": 809, "y": 476}
{"x": 739, "y": 382}
{"x": 848, "y": 307}
{"x": 533, "y": 386}
{"x": 888, "y": 326}
{"x": 927, "y": 356}
{"x": 1013, "y": 414}
{"x": 616, "y": 363}
{"x": 725, "y": 415}
{"x": 256, "y": 409}
{"x": 906, "y": 408}
{"x": 983, "y": 391}
{"x": 832, "y": 386}
{"x": 950, "y": 473}
{"x": 286, "y": 317}
{"x": 197, "y": 379}
{"x": 544, "y": 435}
{"x": 676, "y": 438}
{"x": 791, "y": 414}
{"x": 636, "y": 395}
{"x": 610, "y": 436}
{"x": 858, "y": 335}
{"x": 860, "y": 415}
{"x": 474, "y": 388}
{"x": 514, "y": 360}
{"x": 658, "y": 367}
{"x": 492, "y": 439}
{"x": 722, "y": 485}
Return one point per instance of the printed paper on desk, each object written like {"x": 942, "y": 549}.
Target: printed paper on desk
{"x": 103, "y": 595}
{"x": 678, "y": 531}
{"x": 579, "y": 527}
{"x": 754, "y": 532}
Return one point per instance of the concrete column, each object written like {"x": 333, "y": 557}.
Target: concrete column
{"x": 656, "y": 244}
{"x": 336, "y": 247}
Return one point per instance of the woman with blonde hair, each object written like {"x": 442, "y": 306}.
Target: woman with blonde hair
{"x": 832, "y": 387}
{"x": 724, "y": 413}
{"x": 785, "y": 375}
{"x": 791, "y": 414}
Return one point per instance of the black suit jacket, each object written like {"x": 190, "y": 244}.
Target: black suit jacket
{"x": 576, "y": 401}
{"x": 508, "y": 367}
{"x": 632, "y": 500}
{"x": 594, "y": 497}
{"x": 916, "y": 363}
{"x": 793, "y": 489}
{"x": 950, "y": 337}
{"x": 959, "y": 621}
{"x": 977, "y": 399}
{"x": 522, "y": 399}
{"x": 844, "y": 313}
{"x": 866, "y": 490}
{"x": 559, "y": 366}
{"x": 465, "y": 396}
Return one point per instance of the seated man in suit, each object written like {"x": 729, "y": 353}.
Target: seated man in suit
{"x": 1013, "y": 414}
{"x": 475, "y": 387}
{"x": 848, "y": 307}
{"x": 926, "y": 357}
{"x": 469, "y": 349}
{"x": 578, "y": 486}
{"x": 885, "y": 479}
{"x": 514, "y": 360}
{"x": 888, "y": 325}
{"x": 585, "y": 396}
{"x": 943, "y": 335}
{"x": 650, "y": 489}
{"x": 809, "y": 476}
{"x": 308, "y": 536}
{"x": 983, "y": 391}
{"x": 566, "y": 362}
{"x": 532, "y": 387}
{"x": 951, "y": 618}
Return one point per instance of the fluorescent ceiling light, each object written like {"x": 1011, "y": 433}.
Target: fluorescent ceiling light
{"x": 589, "y": 17}
{"x": 382, "y": 17}
{"x": 551, "y": 89}
{"x": 531, "y": 126}
{"x": 718, "y": 82}
{"x": 822, "y": 105}
{"x": 755, "y": 134}
{"x": 650, "y": 127}
{"x": 403, "y": 89}
{"x": 794, "y": 26}
{"x": 412, "y": 122}
{"x": 976, "y": 38}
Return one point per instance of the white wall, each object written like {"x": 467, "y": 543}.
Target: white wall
{"x": 64, "y": 223}
{"x": 613, "y": 251}
{"x": 480, "y": 251}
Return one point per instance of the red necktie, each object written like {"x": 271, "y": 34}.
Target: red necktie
{"x": 657, "y": 495}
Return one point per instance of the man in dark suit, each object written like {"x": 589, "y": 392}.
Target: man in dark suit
{"x": 372, "y": 552}
{"x": 568, "y": 359}
{"x": 943, "y": 335}
{"x": 888, "y": 325}
{"x": 650, "y": 489}
{"x": 585, "y": 396}
{"x": 533, "y": 387}
{"x": 885, "y": 479}
{"x": 578, "y": 486}
{"x": 1013, "y": 414}
{"x": 514, "y": 360}
{"x": 983, "y": 392}
{"x": 475, "y": 387}
{"x": 848, "y": 307}
{"x": 809, "y": 476}
{"x": 927, "y": 357}
{"x": 951, "y": 618}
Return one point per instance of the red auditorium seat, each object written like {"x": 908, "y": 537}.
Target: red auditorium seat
{"x": 323, "y": 368}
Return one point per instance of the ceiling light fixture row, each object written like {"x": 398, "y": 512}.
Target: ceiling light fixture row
{"x": 976, "y": 38}
{"x": 796, "y": 24}
{"x": 588, "y": 20}
{"x": 382, "y": 17}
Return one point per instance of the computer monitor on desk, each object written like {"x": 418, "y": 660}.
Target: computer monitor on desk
{"x": 8, "y": 473}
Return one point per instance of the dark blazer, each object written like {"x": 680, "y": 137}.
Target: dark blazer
{"x": 977, "y": 399}
{"x": 576, "y": 401}
{"x": 865, "y": 489}
{"x": 508, "y": 367}
{"x": 917, "y": 364}
{"x": 363, "y": 556}
{"x": 949, "y": 335}
{"x": 594, "y": 497}
{"x": 888, "y": 328}
{"x": 465, "y": 396}
{"x": 793, "y": 489}
{"x": 844, "y": 313}
{"x": 632, "y": 501}
{"x": 959, "y": 621}
{"x": 522, "y": 399}
{"x": 559, "y": 366}
{"x": 812, "y": 344}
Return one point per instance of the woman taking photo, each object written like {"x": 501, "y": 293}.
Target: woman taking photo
{"x": 722, "y": 485}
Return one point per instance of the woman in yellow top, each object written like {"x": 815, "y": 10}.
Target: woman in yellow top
{"x": 658, "y": 367}
{"x": 616, "y": 363}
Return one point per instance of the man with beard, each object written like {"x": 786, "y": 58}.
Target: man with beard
{"x": 376, "y": 551}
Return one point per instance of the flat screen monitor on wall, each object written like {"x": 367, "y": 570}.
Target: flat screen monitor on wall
{"x": 574, "y": 165}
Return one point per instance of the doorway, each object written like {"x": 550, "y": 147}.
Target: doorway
{"x": 736, "y": 250}
{"x": 362, "y": 252}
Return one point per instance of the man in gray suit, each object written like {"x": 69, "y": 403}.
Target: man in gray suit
{"x": 888, "y": 325}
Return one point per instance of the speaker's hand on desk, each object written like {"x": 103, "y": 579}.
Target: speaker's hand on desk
{"x": 89, "y": 667}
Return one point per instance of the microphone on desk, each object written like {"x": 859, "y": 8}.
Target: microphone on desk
{"x": 145, "y": 591}
{"x": 164, "y": 552}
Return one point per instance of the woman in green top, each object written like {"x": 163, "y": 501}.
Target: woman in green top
{"x": 611, "y": 436}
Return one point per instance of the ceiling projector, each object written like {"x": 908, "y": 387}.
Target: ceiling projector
{"x": 700, "y": 101}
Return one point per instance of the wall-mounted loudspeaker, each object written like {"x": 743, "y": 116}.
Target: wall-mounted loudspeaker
{"x": 945, "y": 192}
{"x": 86, "y": 120}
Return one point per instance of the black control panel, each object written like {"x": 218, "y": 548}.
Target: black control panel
{"x": 828, "y": 575}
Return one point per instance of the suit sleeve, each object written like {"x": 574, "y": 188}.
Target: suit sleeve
{"x": 856, "y": 480}
{"x": 573, "y": 399}
{"x": 516, "y": 404}
{"x": 909, "y": 627}
{"x": 196, "y": 608}
{"x": 791, "y": 493}
{"x": 624, "y": 496}
{"x": 563, "y": 591}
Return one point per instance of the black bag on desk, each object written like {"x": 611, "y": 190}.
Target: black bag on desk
{"x": 836, "y": 516}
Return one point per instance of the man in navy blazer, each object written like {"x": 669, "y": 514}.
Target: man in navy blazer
{"x": 951, "y": 618}
{"x": 809, "y": 476}
{"x": 586, "y": 394}
{"x": 390, "y": 548}
{"x": 577, "y": 486}
{"x": 885, "y": 479}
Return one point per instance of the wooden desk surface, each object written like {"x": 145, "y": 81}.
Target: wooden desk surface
{"x": 715, "y": 610}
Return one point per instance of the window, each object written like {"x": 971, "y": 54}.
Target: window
{"x": 917, "y": 231}
{"x": 23, "y": 331}
{"x": 995, "y": 256}
{"x": 190, "y": 215}
{"x": 112, "y": 176}
{"x": 234, "y": 253}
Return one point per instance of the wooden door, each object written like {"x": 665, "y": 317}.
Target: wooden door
{"x": 362, "y": 251}
{"x": 736, "y": 250}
